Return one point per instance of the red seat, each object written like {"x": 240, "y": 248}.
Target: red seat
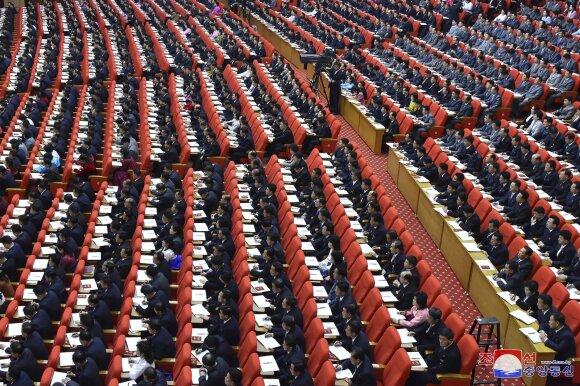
{"x": 455, "y": 324}
{"x": 319, "y": 356}
{"x": 326, "y": 376}
{"x": 397, "y": 370}
{"x": 572, "y": 313}
{"x": 370, "y": 304}
{"x": 442, "y": 302}
{"x": 560, "y": 295}
{"x": 387, "y": 345}
{"x": 251, "y": 370}
{"x": 313, "y": 334}
{"x": 378, "y": 323}
{"x": 432, "y": 287}
{"x": 545, "y": 278}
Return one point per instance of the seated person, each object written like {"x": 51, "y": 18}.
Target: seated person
{"x": 559, "y": 337}
{"x": 427, "y": 333}
{"x": 445, "y": 359}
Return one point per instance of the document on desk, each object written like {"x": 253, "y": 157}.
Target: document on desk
{"x": 493, "y": 281}
{"x": 73, "y": 339}
{"x": 395, "y": 315}
{"x": 574, "y": 293}
{"x": 506, "y": 296}
{"x": 260, "y": 303}
{"x": 388, "y": 297}
{"x": 14, "y": 329}
{"x": 58, "y": 377}
{"x": 406, "y": 339}
{"x": 263, "y": 320}
{"x": 471, "y": 247}
{"x": 268, "y": 342}
{"x": 343, "y": 374}
{"x": 417, "y": 361}
{"x": 339, "y": 352}
{"x": 323, "y": 310}
{"x": 268, "y": 365}
{"x": 485, "y": 265}
{"x": 523, "y": 316}
{"x": 532, "y": 334}
{"x": 65, "y": 359}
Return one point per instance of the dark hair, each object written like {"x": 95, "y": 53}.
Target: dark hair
{"x": 421, "y": 298}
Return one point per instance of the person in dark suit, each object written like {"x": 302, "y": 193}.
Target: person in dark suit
{"x": 18, "y": 377}
{"x": 152, "y": 377}
{"x": 22, "y": 238}
{"x": 214, "y": 370}
{"x": 524, "y": 262}
{"x": 48, "y": 301}
{"x": 8, "y": 267}
{"x": 160, "y": 340}
{"x": 545, "y": 310}
{"x": 300, "y": 375}
{"x": 571, "y": 274}
{"x": 508, "y": 279}
{"x": 559, "y": 337}
{"x": 226, "y": 326}
{"x": 343, "y": 298}
{"x": 528, "y": 300}
{"x": 292, "y": 353}
{"x": 536, "y": 228}
{"x": 551, "y": 234}
{"x": 45, "y": 195}
{"x": 22, "y": 359}
{"x": 428, "y": 170}
{"x": 496, "y": 251}
{"x": 13, "y": 251}
{"x": 405, "y": 292}
{"x": 152, "y": 296}
{"x": 562, "y": 254}
{"x": 355, "y": 337}
{"x": 376, "y": 233}
{"x": 85, "y": 372}
{"x": 289, "y": 327}
{"x": 99, "y": 310}
{"x": 361, "y": 368}
{"x": 110, "y": 293}
{"x": 31, "y": 340}
{"x": 427, "y": 334}
{"x": 521, "y": 213}
{"x": 220, "y": 348}
{"x": 395, "y": 259}
{"x": 443, "y": 178}
{"x": 471, "y": 223}
{"x": 95, "y": 349}
{"x": 446, "y": 359}
{"x": 289, "y": 307}
{"x": 39, "y": 320}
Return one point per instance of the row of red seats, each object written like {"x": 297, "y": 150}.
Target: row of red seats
{"x": 369, "y": 297}
{"x": 133, "y": 51}
{"x": 16, "y": 38}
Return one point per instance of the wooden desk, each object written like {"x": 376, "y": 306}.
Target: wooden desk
{"x": 464, "y": 265}
{"x": 393, "y": 165}
{"x": 436, "y": 225}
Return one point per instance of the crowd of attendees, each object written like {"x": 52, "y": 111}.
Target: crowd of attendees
{"x": 545, "y": 36}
